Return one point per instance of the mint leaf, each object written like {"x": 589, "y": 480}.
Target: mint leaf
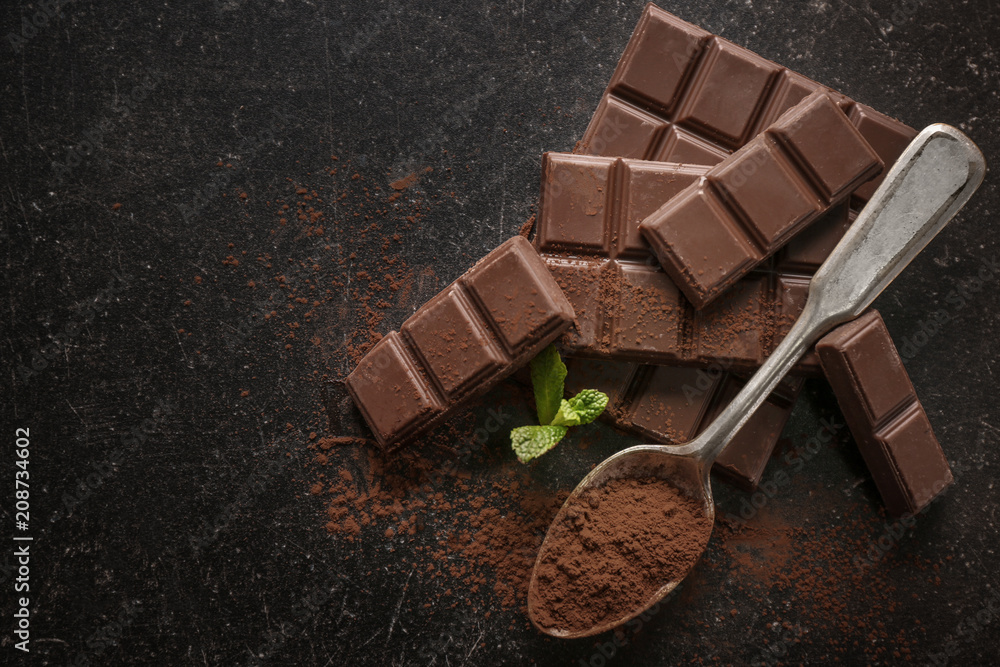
{"x": 555, "y": 414}
{"x": 547, "y": 375}
{"x": 530, "y": 442}
{"x": 581, "y": 409}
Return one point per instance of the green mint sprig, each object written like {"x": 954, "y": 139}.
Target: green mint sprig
{"x": 555, "y": 413}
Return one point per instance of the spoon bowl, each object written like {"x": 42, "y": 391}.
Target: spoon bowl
{"x": 686, "y": 473}
{"x": 933, "y": 178}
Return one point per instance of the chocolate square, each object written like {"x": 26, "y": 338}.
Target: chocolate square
{"x": 648, "y": 313}
{"x": 827, "y": 145}
{"x": 451, "y": 343}
{"x": 695, "y": 239}
{"x": 389, "y": 390}
{"x": 575, "y": 203}
{"x": 728, "y": 92}
{"x": 516, "y": 296}
{"x": 659, "y": 58}
{"x": 767, "y": 191}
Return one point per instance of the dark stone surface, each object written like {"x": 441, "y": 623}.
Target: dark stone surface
{"x": 179, "y": 416}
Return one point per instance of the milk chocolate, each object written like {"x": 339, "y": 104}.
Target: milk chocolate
{"x": 481, "y": 328}
{"x": 671, "y": 405}
{"x": 746, "y": 207}
{"x": 882, "y": 410}
{"x": 627, "y": 307}
{"x": 681, "y": 94}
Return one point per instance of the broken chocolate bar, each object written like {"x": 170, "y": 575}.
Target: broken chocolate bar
{"x": 746, "y": 207}
{"x": 681, "y": 94}
{"x": 626, "y": 307}
{"x": 672, "y": 405}
{"x": 884, "y": 415}
{"x": 481, "y": 328}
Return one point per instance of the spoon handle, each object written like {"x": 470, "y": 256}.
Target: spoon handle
{"x": 930, "y": 182}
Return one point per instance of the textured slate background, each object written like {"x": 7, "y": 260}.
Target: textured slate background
{"x": 273, "y": 88}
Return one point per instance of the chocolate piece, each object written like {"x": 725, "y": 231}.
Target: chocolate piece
{"x": 626, "y": 307}
{"x": 480, "y": 329}
{"x": 745, "y": 457}
{"x": 681, "y": 94}
{"x": 884, "y": 415}
{"x": 672, "y": 405}
{"x": 746, "y": 207}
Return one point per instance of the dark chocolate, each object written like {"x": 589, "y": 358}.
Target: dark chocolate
{"x": 884, "y": 415}
{"x": 481, "y": 328}
{"x": 681, "y": 94}
{"x": 748, "y": 206}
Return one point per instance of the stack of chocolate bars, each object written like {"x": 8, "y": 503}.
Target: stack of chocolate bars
{"x": 672, "y": 252}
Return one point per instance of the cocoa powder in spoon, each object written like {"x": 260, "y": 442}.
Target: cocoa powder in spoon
{"x": 612, "y": 549}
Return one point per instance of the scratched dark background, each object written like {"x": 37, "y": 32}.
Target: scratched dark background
{"x": 180, "y": 413}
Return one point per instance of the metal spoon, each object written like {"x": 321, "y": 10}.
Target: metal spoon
{"x": 926, "y": 187}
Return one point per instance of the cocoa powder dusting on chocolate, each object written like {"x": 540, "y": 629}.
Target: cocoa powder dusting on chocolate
{"x": 613, "y": 549}
{"x": 527, "y": 228}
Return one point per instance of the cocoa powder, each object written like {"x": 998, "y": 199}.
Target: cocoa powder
{"x": 612, "y": 549}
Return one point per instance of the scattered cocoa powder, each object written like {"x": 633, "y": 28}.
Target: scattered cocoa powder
{"x": 488, "y": 531}
{"x": 612, "y": 549}
{"x": 409, "y": 179}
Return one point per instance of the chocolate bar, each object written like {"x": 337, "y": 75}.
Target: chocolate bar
{"x": 672, "y": 405}
{"x": 884, "y": 415}
{"x": 481, "y": 328}
{"x": 627, "y": 307}
{"x": 681, "y": 94}
{"x": 746, "y": 207}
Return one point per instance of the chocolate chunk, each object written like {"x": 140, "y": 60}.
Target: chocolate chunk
{"x": 681, "y": 94}
{"x": 745, "y": 457}
{"x": 884, "y": 415}
{"x": 629, "y": 309}
{"x": 746, "y": 207}
{"x": 480, "y": 329}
